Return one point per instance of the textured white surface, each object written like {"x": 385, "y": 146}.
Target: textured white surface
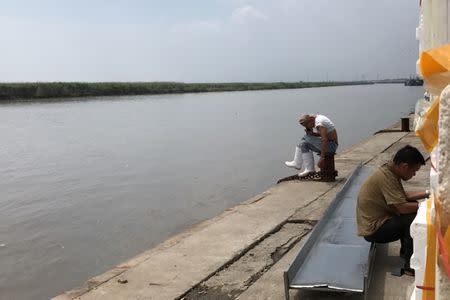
{"x": 443, "y": 284}
{"x": 444, "y": 147}
{"x": 433, "y": 31}
{"x": 419, "y": 235}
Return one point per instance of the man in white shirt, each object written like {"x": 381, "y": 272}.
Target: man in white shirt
{"x": 323, "y": 140}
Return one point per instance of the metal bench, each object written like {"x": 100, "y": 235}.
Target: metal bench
{"x": 334, "y": 258}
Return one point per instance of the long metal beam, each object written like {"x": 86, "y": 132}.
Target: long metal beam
{"x": 334, "y": 258}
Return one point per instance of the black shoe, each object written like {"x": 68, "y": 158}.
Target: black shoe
{"x": 409, "y": 271}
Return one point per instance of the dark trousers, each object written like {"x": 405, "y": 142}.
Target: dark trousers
{"x": 396, "y": 228}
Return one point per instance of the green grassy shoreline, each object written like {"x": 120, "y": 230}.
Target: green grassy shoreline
{"x": 43, "y": 90}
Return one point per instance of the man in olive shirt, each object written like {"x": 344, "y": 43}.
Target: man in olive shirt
{"x": 384, "y": 210}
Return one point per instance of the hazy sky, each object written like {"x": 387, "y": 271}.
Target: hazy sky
{"x": 206, "y": 40}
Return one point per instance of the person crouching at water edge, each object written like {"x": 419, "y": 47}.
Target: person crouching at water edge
{"x": 323, "y": 140}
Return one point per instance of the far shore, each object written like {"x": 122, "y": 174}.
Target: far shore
{"x": 30, "y": 91}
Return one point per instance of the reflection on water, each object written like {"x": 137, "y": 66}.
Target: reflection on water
{"x": 87, "y": 184}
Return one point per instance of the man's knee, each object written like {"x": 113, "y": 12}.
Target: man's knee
{"x": 392, "y": 230}
{"x": 407, "y": 219}
{"x": 304, "y": 146}
{"x": 411, "y": 217}
{"x": 369, "y": 239}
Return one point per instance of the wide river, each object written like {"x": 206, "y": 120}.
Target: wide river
{"x": 86, "y": 184}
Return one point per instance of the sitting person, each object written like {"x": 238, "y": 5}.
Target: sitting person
{"x": 325, "y": 140}
{"x": 384, "y": 211}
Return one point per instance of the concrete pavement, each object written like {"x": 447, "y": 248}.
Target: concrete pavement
{"x": 242, "y": 252}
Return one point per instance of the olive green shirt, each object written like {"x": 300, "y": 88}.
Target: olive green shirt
{"x": 382, "y": 189}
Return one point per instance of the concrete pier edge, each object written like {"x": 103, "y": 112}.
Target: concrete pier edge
{"x": 215, "y": 257}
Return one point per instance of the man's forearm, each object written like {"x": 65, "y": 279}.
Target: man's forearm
{"x": 417, "y": 195}
{"x": 324, "y": 147}
{"x": 407, "y": 208}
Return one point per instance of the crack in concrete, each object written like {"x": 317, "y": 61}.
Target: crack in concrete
{"x": 282, "y": 249}
{"x": 230, "y": 262}
{"x": 385, "y": 149}
{"x": 259, "y": 198}
{"x": 279, "y": 252}
{"x": 234, "y": 279}
{"x": 308, "y": 222}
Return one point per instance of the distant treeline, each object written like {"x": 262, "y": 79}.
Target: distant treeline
{"x": 40, "y": 90}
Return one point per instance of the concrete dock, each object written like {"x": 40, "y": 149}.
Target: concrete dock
{"x": 242, "y": 253}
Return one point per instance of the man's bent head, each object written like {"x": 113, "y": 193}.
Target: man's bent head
{"x": 307, "y": 121}
{"x": 407, "y": 161}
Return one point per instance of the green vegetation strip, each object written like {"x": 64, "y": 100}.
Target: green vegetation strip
{"x": 40, "y": 90}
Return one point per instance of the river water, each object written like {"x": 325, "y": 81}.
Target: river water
{"x": 85, "y": 185}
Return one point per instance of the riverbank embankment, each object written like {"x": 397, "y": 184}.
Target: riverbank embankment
{"x": 243, "y": 252}
{"x": 57, "y": 91}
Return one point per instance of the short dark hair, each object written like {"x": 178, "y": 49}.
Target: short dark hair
{"x": 409, "y": 155}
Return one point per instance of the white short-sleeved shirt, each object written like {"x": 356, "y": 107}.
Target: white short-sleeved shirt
{"x": 322, "y": 121}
